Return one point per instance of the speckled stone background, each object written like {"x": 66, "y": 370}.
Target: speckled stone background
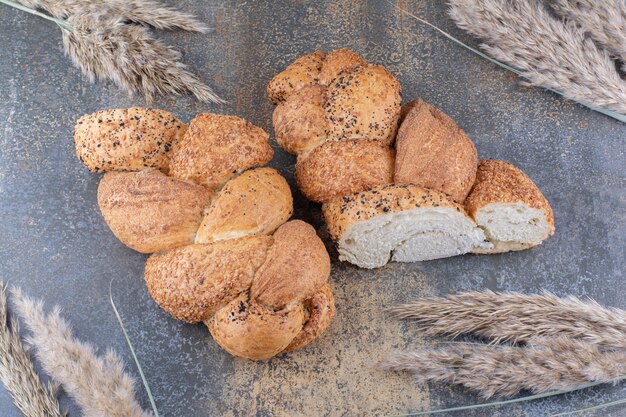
{"x": 55, "y": 245}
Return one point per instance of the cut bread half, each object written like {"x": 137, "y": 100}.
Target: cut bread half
{"x": 404, "y": 223}
{"x": 509, "y": 207}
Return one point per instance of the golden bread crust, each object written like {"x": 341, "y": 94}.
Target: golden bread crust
{"x": 193, "y": 282}
{"x": 432, "y": 151}
{"x": 217, "y": 147}
{"x": 149, "y": 211}
{"x": 302, "y": 72}
{"x": 299, "y": 122}
{"x": 363, "y": 102}
{"x": 248, "y": 330}
{"x": 126, "y": 139}
{"x": 319, "y": 311}
{"x": 339, "y": 168}
{"x": 297, "y": 266}
{"x": 337, "y": 61}
{"x": 256, "y": 202}
{"x": 502, "y": 182}
{"x": 343, "y": 212}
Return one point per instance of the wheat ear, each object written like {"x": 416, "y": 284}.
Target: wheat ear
{"x": 548, "y": 364}
{"x": 145, "y": 12}
{"x": 514, "y": 317}
{"x": 17, "y": 371}
{"x": 99, "y": 385}
{"x": 604, "y": 21}
{"x": 130, "y": 56}
{"x": 548, "y": 52}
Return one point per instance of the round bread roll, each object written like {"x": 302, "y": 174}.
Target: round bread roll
{"x": 509, "y": 207}
{"x": 303, "y": 72}
{"x": 299, "y": 122}
{"x": 235, "y": 145}
{"x": 348, "y": 99}
{"x": 248, "y": 330}
{"x": 256, "y": 202}
{"x": 193, "y": 282}
{"x": 149, "y": 211}
{"x": 259, "y": 294}
{"x": 337, "y": 61}
{"x": 126, "y": 139}
{"x": 432, "y": 151}
{"x": 363, "y": 102}
{"x": 335, "y": 169}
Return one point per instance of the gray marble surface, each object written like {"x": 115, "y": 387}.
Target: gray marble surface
{"x": 55, "y": 245}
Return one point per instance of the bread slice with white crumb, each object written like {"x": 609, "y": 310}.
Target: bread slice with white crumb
{"x": 509, "y": 207}
{"x": 404, "y": 223}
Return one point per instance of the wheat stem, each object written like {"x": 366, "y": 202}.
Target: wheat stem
{"x": 132, "y": 351}
{"x": 62, "y": 23}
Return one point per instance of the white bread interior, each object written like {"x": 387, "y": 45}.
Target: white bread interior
{"x": 409, "y": 236}
{"x": 512, "y": 226}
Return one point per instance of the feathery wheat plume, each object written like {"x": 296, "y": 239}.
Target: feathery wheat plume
{"x": 548, "y": 52}
{"x": 111, "y": 40}
{"x": 514, "y": 317}
{"x": 131, "y": 57}
{"x": 99, "y": 385}
{"x": 17, "y": 372}
{"x": 547, "y": 365}
{"x": 604, "y": 21}
{"x": 145, "y": 12}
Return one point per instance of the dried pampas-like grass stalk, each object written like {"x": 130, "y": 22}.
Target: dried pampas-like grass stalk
{"x": 548, "y": 53}
{"x": 131, "y": 57}
{"x": 514, "y": 317}
{"x": 145, "y": 12}
{"x": 17, "y": 371}
{"x": 98, "y": 384}
{"x": 547, "y": 365}
{"x": 604, "y": 21}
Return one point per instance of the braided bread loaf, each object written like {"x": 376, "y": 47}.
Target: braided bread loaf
{"x": 426, "y": 199}
{"x": 225, "y": 253}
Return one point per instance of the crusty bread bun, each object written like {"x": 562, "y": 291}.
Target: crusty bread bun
{"x": 256, "y": 202}
{"x": 337, "y": 61}
{"x": 149, "y": 211}
{"x": 406, "y": 223}
{"x": 297, "y": 266}
{"x": 509, "y": 207}
{"x": 258, "y": 294}
{"x": 193, "y": 282}
{"x": 432, "y": 151}
{"x": 126, "y": 139}
{"x": 299, "y": 123}
{"x": 303, "y": 72}
{"x": 335, "y": 169}
{"x": 363, "y": 102}
{"x": 235, "y": 145}
{"x": 249, "y": 330}
{"x": 348, "y": 99}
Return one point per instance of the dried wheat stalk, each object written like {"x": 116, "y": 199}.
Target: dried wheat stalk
{"x": 101, "y": 40}
{"x": 514, "y": 317}
{"x": 548, "y": 52}
{"x": 547, "y": 365}
{"x": 604, "y": 21}
{"x": 145, "y": 12}
{"x": 131, "y": 57}
{"x": 99, "y": 385}
{"x": 17, "y": 372}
